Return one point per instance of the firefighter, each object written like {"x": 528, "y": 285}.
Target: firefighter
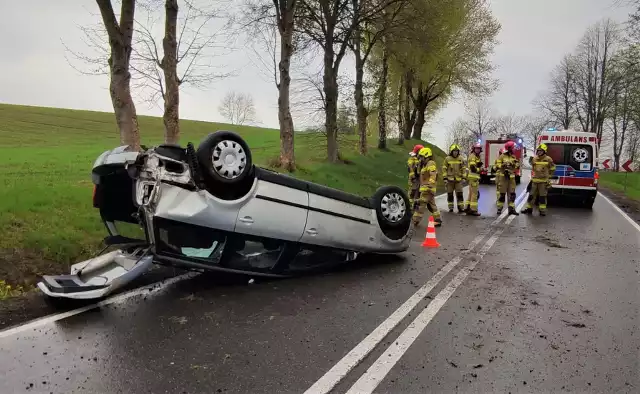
{"x": 543, "y": 167}
{"x": 413, "y": 166}
{"x": 498, "y": 174}
{"x": 473, "y": 176}
{"x": 453, "y": 173}
{"x": 428, "y": 177}
{"x": 507, "y": 165}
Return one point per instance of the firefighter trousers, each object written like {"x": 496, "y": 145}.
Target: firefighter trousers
{"x": 414, "y": 193}
{"x": 455, "y": 186}
{"x": 474, "y": 192}
{"x": 427, "y": 200}
{"x": 507, "y": 186}
{"x": 538, "y": 190}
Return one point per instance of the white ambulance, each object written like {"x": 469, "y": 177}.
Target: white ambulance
{"x": 575, "y": 155}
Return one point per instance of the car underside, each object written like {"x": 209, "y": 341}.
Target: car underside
{"x": 211, "y": 209}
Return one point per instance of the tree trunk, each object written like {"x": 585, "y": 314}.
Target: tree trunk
{"x": 120, "y": 36}
{"x": 169, "y": 63}
{"x": 409, "y": 116}
{"x": 417, "y": 127}
{"x": 361, "y": 111}
{"x": 382, "y": 100}
{"x": 287, "y": 154}
{"x": 330, "y": 86}
{"x": 401, "y": 111}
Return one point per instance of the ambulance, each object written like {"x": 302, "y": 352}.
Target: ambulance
{"x": 575, "y": 155}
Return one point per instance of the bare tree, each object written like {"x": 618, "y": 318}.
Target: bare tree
{"x": 375, "y": 18}
{"x": 594, "y": 80}
{"x": 624, "y": 101}
{"x": 120, "y": 36}
{"x": 532, "y": 128}
{"x": 158, "y": 70}
{"x": 508, "y": 124}
{"x": 557, "y": 103}
{"x": 632, "y": 149}
{"x": 481, "y": 119}
{"x": 274, "y": 22}
{"x": 185, "y": 59}
{"x": 478, "y": 122}
{"x": 238, "y": 108}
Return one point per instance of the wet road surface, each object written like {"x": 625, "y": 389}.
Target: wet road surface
{"x": 540, "y": 304}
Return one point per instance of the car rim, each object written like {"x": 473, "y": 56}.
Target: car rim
{"x": 393, "y": 207}
{"x": 229, "y": 159}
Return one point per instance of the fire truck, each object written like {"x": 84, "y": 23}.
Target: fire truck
{"x": 491, "y": 152}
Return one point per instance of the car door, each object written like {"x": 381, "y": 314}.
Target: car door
{"x": 338, "y": 224}
{"x": 275, "y": 211}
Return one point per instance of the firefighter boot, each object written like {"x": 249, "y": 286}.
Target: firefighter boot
{"x": 528, "y": 210}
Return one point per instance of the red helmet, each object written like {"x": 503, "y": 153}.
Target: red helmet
{"x": 417, "y": 148}
{"x": 477, "y": 146}
{"x": 509, "y": 145}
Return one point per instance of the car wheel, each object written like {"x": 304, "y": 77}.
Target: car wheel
{"x": 225, "y": 157}
{"x": 393, "y": 211}
{"x": 226, "y": 165}
{"x": 588, "y": 202}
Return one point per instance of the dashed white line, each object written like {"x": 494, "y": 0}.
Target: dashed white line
{"x": 368, "y": 382}
{"x": 338, "y": 372}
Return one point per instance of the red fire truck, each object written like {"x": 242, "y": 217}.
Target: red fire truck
{"x": 491, "y": 152}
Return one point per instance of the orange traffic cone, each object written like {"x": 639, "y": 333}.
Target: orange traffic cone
{"x": 430, "y": 238}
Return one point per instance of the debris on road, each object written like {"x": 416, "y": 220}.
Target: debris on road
{"x": 574, "y": 324}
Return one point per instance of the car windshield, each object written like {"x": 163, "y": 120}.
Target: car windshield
{"x": 578, "y": 156}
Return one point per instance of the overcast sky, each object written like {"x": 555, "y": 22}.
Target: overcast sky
{"x": 33, "y": 69}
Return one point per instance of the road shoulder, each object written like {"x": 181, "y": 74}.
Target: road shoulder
{"x": 630, "y": 206}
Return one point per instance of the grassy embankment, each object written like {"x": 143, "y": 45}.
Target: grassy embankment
{"x": 46, "y": 218}
{"x": 616, "y": 182}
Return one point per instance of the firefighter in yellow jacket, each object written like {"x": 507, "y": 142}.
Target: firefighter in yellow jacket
{"x": 413, "y": 166}
{"x": 507, "y": 165}
{"x": 473, "y": 176}
{"x": 543, "y": 168}
{"x": 428, "y": 178}
{"x": 499, "y": 176}
{"x": 453, "y": 173}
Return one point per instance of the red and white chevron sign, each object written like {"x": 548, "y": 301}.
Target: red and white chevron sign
{"x": 626, "y": 166}
{"x": 605, "y": 164}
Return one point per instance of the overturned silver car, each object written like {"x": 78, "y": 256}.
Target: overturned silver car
{"x": 212, "y": 209}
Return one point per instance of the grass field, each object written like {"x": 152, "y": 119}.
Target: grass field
{"x": 617, "y": 180}
{"x": 46, "y": 154}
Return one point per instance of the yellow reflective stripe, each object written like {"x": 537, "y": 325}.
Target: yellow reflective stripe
{"x": 536, "y": 163}
{"x": 455, "y": 162}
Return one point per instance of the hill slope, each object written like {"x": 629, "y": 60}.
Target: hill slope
{"x": 46, "y": 154}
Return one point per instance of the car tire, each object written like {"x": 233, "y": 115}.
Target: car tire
{"x": 588, "y": 202}
{"x": 393, "y": 211}
{"x": 227, "y": 180}
{"x": 225, "y": 157}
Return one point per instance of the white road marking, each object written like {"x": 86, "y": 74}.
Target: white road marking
{"x": 621, "y": 212}
{"x": 383, "y": 365}
{"x": 330, "y": 379}
{"x": 149, "y": 289}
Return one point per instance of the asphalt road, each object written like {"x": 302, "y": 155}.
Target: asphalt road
{"x": 510, "y": 304}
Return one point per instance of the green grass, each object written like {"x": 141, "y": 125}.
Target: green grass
{"x": 617, "y": 180}
{"x": 46, "y": 154}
